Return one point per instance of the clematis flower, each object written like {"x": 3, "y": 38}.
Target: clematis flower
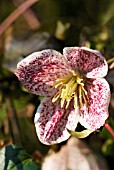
{"x": 73, "y": 87}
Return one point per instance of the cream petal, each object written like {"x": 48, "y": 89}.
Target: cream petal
{"x": 51, "y": 122}
{"x": 98, "y": 94}
{"x": 38, "y": 71}
{"x": 88, "y": 61}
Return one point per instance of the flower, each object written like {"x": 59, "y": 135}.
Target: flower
{"x": 73, "y": 87}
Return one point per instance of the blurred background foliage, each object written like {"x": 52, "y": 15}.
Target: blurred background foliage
{"x": 59, "y": 23}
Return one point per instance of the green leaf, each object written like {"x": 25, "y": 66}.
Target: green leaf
{"x": 82, "y": 134}
{"x": 14, "y": 157}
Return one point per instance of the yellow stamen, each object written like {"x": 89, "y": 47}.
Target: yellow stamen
{"x": 68, "y": 102}
{"x": 62, "y": 102}
{"x": 55, "y": 98}
{"x": 70, "y": 87}
{"x": 80, "y": 96}
{"x": 75, "y": 100}
{"x": 84, "y": 97}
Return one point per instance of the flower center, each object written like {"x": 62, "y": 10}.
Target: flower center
{"x": 71, "y": 87}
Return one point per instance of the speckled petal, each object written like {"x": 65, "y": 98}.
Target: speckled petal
{"x": 98, "y": 92}
{"x": 40, "y": 69}
{"x": 51, "y": 122}
{"x": 89, "y": 61}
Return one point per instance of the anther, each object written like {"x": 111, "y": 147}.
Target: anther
{"x": 70, "y": 87}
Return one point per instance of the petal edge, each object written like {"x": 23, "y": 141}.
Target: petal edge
{"x": 51, "y": 122}
{"x": 37, "y": 71}
{"x": 88, "y": 61}
{"x": 95, "y": 115}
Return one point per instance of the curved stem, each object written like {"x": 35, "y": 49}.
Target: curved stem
{"x": 15, "y": 14}
{"x": 111, "y": 131}
{"x": 110, "y": 60}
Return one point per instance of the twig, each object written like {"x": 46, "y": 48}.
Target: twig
{"x": 14, "y": 15}
{"x": 29, "y": 16}
{"x": 111, "y": 131}
{"x": 31, "y": 19}
{"x": 110, "y": 60}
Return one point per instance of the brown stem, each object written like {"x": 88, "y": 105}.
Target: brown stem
{"x": 14, "y": 15}
{"x": 29, "y": 16}
{"x": 111, "y": 131}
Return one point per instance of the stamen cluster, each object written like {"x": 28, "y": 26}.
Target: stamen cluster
{"x": 70, "y": 87}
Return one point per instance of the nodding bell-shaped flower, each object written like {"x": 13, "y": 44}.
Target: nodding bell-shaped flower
{"x": 73, "y": 87}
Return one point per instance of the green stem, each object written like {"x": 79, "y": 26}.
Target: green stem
{"x": 110, "y": 60}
